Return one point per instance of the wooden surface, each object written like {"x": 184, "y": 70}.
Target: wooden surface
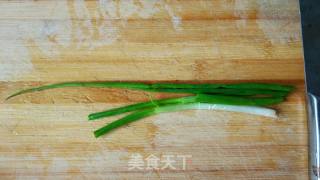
{"x": 46, "y": 135}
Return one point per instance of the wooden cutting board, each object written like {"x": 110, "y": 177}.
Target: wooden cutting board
{"x": 46, "y": 134}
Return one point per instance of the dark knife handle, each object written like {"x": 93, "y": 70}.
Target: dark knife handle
{"x": 314, "y": 136}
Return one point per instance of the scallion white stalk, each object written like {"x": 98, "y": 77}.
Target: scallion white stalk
{"x": 255, "y": 110}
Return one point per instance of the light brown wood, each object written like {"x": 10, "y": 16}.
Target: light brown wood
{"x": 46, "y": 134}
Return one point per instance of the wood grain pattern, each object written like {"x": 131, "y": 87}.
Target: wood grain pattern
{"x": 45, "y": 135}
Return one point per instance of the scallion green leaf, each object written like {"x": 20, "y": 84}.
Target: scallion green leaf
{"x": 235, "y": 89}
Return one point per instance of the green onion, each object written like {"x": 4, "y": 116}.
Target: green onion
{"x": 170, "y": 108}
{"x": 242, "y": 88}
{"x": 237, "y": 92}
{"x": 123, "y": 121}
{"x": 138, "y": 106}
{"x": 126, "y": 85}
{"x": 242, "y": 97}
{"x": 265, "y": 86}
{"x": 202, "y": 98}
{"x": 242, "y": 101}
